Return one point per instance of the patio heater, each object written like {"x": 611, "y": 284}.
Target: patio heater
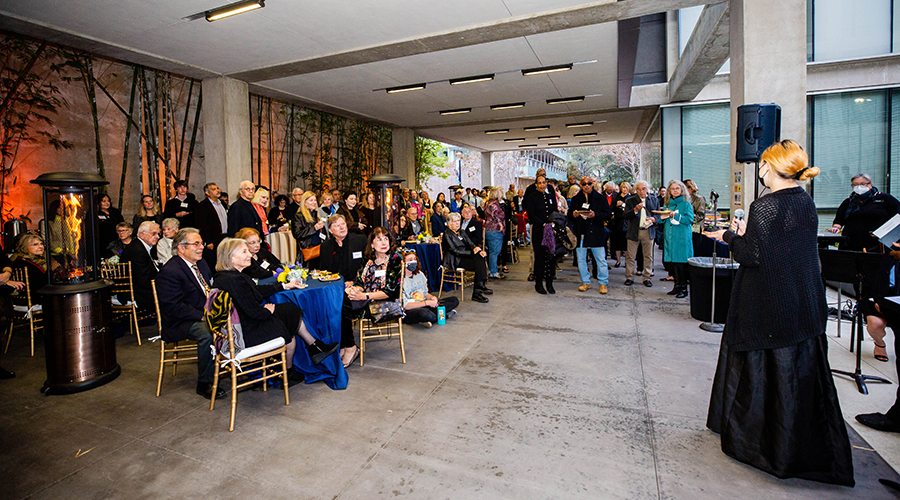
{"x": 80, "y": 346}
{"x": 386, "y": 188}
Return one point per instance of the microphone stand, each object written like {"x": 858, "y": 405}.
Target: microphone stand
{"x": 711, "y": 325}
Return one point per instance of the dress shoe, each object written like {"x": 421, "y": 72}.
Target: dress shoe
{"x": 539, "y": 288}
{"x": 295, "y": 377}
{"x": 878, "y": 421}
{"x": 629, "y": 282}
{"x": 531, "y": 277}
{"x": 682, "y": 294}
{"x": 427, "y": 324}
{"x": 603, "y": 290}
{"x": 484, "y": 290}
{"x": 6, "y": 374}
{"x": 585, "y": 287}
{"x": 673, "y": 291}
{"x": 478, "y": 297}
{"x": 648, "y": 283}
{"x": 319, "y": 350}
{"x": 205, "y": 389}
{"x": 550, "y": 288}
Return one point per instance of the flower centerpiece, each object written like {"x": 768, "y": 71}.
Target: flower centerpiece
{"x": 292, "y": 272}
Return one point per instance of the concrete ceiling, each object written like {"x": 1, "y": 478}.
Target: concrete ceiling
{"x": 340, "y": 55}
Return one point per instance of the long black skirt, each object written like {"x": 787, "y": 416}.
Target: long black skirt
{"x": 777, "y": 410}
{"x": 285, "y": 323}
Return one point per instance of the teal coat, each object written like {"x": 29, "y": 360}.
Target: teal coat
{"x": 679, "y": 246}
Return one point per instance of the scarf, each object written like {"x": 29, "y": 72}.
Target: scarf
{"x": 858, "y": 200}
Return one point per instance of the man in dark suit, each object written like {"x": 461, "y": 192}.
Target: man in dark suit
{"x": 241, "y": 214}
{"x": 212, "y": 222}
{"x": 182, "y": 286}
{"x": 182, "y": 206}
{"x": 588, "y": 213}
{"x": 472, "y": 226}
{"x": 294, "y": 206}
{"x": 141, "y": 252}
{"x": 641, "y": 230}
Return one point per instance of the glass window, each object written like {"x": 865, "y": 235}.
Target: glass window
{"x": 846, "y": 29}
{"x": 895, "y": 142}
{"x": 849, "y": 132}
{"x": 705, "y": 148}
{"x": 687, "y": 19}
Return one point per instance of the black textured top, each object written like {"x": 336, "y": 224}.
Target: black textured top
{"x": 777, "y": 299}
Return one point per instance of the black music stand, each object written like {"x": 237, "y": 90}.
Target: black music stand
{"x": 860, "y": 268}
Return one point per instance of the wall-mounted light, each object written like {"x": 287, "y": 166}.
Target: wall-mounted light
{"x": 539, "y": 127}
{"x": 405, "y": 88}
{"x": 497, "y": 131}
{"x": 576, "y": 125}
{"x": 517, "y": 139}
{"x": 586, "y": 134}
{"x": 512, "y": 105}
{"x": 233, "y": 9}
{"x": 456, "y": 111}
{"x": 471, "y": 79}
{"x": 566, "y": 100}
{"x": 588, "y": 142}
{"x": 548, "y": 137}
{"x": 546, "y": 69}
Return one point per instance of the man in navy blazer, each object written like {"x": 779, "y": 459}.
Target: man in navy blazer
{"x": 182, "y": 286}
{"x": 241, "y": 213}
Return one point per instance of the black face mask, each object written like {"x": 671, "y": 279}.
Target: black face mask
{"x": 762, "y": 180}
{"x": 412, "y": 265}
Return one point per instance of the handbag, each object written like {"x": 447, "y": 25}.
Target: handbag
{"x": 310, "y": 253}
{"x": 382, "y": 311}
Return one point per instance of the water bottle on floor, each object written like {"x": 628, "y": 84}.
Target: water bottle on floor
{"x": 442, "y": 315}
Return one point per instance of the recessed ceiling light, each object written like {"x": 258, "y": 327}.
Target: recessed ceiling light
{"x": 528, "y": 146}
{"x": 405, "y": 88}
{"x": 512, "y": 105}
{"x": 546, "y": 69}
{"x": 471, "y": 79}
{"x": 576, "y": 125}
{"x": 565, "y": 100}
{"x": 456, "y": 111}
{"x": 518, "y": 139}
{"x": 557, "y": 143}
{"x": 539, "y": 127}
{"x": 589, "y": 142}
{"x": 233, "y": 9}
{"x": 548, "y": 137}
{"x": 498, "y": 131}
{"x": 586, "y": 134}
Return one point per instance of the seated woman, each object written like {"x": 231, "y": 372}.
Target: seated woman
{"x": 7, "y": 288}
{"x": 420, "y": 306}
{"x": 402, "y": 230}
{"x": 378, "y": 279}
{"x": 29, "y": 255}
{"x": 262, "y": 323}
{"x": 307, "y": 227}
{"x": 438, "y": 222}
{"x": 164, "y": 245}
{"x": 124, "y": 232}
{"x": 262, "y": 263}
{"x": 278, "y": 214}
{"x": 461, "y": 253}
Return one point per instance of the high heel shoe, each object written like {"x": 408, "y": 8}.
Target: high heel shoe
{"x": 881, "y": 357}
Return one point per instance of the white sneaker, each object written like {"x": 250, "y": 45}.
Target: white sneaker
{"x": 426, "y": 324}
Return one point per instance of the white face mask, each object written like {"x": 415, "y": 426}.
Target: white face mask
{"x": 861, "y": 190}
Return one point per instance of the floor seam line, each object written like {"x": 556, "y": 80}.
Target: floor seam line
{"x": 637, "y": 334}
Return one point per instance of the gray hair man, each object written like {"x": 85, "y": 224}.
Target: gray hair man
{"x": 641, "y": 230}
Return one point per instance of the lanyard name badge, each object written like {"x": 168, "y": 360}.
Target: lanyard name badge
{"x": 184, "y": 204}
{"x": 357, "y": 255}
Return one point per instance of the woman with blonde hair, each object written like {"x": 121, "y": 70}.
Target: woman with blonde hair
{"x": 148, "y": 211}
{"x": 326, "y": 205}
{"x": 307, "y": 226}
{"x": 260, "y": 203}
{"x": 773, "y": 399}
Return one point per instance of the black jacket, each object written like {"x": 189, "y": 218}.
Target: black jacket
{"x": 475, "y": 231}
{"x": 438, "y": 225}
{"x": 869, "y": 217}
{"x": 257, "y": 323}
{"x": 591, "y": 232}
{"x": 633, "y": 219}
{"x": 207, "y": 222}
{"x": 263, "y": 266}
{"x": 181, "y": 300}
{"x": 142, "y": 272}
{"x": 353, "y": 218}
{"x": 344, "y": 259}
{"x": 175, "y": 205}
{"x": 456, "y": 246}
{"x": 304, "y": 232}
{"x": 540, "y": 205}
{"x": 241, "y": 214}
{"x": 106, "y": 227}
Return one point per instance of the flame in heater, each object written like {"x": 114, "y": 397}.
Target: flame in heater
{"x": 387, "y": 197}
{"x": 72, "y": 222}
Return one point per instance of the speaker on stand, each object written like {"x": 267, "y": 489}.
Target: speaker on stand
{"x": 759, "y": 126}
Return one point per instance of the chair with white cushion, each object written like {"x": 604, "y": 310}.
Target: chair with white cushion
{"x": 26, "y": 309}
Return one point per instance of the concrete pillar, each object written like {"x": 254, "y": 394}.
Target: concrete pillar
{"x": 487, "y": 170}
{"x": 403, "y": 141}
{"x": 768, "y": 65}
{"x": 226, "y": 132}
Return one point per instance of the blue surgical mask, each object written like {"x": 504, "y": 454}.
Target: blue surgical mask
{"x": 412, "y": 265}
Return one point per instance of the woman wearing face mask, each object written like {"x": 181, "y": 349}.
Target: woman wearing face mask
{"x": 420, "y": 306}
{"x": 863, "y": 212}
{"x": 773, "y": 399}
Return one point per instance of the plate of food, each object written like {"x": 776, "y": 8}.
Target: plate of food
{"x": 328, "y": 276}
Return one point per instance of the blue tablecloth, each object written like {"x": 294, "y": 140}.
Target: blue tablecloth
{"x": 429, "y": 255}
{"x": 321, "y": 304}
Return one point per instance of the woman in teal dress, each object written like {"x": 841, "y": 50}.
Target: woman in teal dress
{"x": 678, "y": 246}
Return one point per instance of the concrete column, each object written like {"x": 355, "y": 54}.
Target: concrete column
{"x": 226, "y": 132}
{"x": 768, "y": 65}
{"x": 487, "y": 170}
{"x": 403, "y": 141}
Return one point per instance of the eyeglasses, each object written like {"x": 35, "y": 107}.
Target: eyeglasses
{"x": 194, "y": 244}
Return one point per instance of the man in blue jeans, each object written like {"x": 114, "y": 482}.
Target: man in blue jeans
{"x": 588, "y": 213}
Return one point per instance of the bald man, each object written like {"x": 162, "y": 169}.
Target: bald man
{"x": 241, "y": 213}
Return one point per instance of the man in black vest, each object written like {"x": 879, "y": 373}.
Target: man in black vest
{"x": 588, "y": 213}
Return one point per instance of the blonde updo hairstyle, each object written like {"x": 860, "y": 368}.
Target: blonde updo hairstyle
{"x": 789, "y": 160}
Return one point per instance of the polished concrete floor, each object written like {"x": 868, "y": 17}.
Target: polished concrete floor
{"x": 575, "y": 395}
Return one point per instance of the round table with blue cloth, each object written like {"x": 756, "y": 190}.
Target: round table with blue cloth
{"x": 321, "y": 304}
{"x": 429, "y": 255}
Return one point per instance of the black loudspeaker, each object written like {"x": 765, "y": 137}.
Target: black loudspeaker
{"x": 759, "y": 126}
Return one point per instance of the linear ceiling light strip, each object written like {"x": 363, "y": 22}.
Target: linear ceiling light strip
{"x": 234, "y": 9}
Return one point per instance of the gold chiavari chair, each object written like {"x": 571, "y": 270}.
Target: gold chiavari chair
{"x": 27, "y": 310}
{"x": 170, "y": 352}
{"x": 368, "y": 331}
{"x": 123, "y": 303}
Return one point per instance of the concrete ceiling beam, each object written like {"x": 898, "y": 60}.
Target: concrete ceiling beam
{"x": 706, "y": 51}
{"x": 515, "y": 27}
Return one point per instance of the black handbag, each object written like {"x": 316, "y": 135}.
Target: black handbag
{"x": 382, "y": 311}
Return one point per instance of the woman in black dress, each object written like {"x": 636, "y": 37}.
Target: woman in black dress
{"x": 356, "y": 221}
{"x": 618, "y": 244}
{"x": 107, "y": 218}
{"x": 262, "y": 323}
{"x": 773, "y": 399}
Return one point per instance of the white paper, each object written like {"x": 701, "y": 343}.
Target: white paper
{"x": 889, "y": 232}
{"x": 380, "y": 273}
{"x": 265, "y": 264}
{"x": 184, "y": 204}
